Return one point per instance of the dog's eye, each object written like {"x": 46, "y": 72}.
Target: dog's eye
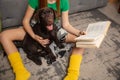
{"x": 44, "y": 12}
{"x": 50, "y": 13}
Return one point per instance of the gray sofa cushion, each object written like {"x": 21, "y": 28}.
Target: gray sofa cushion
{"x": 82, "y": 5}
{"x": 12, "y": 12}
{"x": 0, "y": 23}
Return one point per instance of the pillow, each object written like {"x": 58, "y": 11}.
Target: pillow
{"x": 82, "y": 5}
{"x": 12, "y": 12}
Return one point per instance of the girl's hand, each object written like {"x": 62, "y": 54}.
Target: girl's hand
{"x": 81, "y": 33}
{"x": 42, "y": 41}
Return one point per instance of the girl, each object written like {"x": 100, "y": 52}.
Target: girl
{"x": 8, "y": 36}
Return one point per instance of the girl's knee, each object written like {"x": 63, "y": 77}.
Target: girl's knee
{"x": 70, "y": 38}
{"x": 3, "y": 37}
{"x": 12, "y": 34}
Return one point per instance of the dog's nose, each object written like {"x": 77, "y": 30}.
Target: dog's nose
{"x": 50, "y": 21}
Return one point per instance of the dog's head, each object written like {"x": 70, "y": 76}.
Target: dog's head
{"x": 46, "y": 16}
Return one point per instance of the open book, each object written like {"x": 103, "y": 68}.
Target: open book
{"x": 95, "y": 34}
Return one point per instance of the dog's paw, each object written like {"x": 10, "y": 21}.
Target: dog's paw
{"x": 35, "y": 59}
{"x": 50, "y": 59}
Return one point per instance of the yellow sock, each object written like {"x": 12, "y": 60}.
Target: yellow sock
{"x": 20, "y": 71}
{"x": 74, "y": 67}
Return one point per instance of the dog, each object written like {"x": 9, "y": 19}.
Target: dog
{"x": 46, "y": 29}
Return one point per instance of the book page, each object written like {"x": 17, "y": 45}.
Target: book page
{"x": 97, "y": 28}
{"x": 95, "y": 31}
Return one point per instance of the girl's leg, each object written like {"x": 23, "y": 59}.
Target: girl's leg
{"x": 75, "y": 60}
{"x": 6, "y": 38}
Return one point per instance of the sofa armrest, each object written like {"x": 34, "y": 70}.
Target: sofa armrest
{"x": 0, "y": 24}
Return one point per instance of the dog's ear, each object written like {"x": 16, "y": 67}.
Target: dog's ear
{"x": 37, "y": 15}
{"x": 55, "y": 13}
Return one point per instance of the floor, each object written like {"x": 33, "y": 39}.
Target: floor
{"x": 111, "y": 11}
{"x": 109, "y": 57}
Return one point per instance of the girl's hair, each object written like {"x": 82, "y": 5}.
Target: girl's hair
{"x": 43, "y": 3}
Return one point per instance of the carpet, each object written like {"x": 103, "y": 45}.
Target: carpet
{"x": 97, "y": 64}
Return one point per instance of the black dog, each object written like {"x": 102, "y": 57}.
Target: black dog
{"x": 45, "y": 28}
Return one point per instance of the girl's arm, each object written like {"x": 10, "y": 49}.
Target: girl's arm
{"x": 68, "y": 27}
{"x": 26, "y": 21}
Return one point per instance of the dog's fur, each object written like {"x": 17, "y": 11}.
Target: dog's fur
{"x": 45, "y": 17}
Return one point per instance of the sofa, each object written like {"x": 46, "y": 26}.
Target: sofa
{"x": 12, "y": 11}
